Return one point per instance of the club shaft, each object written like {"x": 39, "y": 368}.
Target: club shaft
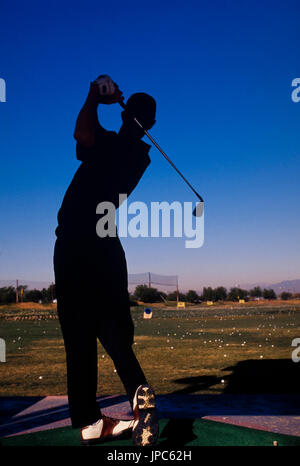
{"x": 164, "y": 154}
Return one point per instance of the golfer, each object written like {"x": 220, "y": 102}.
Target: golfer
{"x": 91, "y": 272}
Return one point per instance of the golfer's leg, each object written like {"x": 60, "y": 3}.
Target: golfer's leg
{"x": 115, "y": 328}
{"x": 81, "y": 356}
{"x": 127, "y": 366}
{"x": 76, "y": 320}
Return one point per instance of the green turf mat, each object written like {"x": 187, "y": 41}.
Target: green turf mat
{"x": 173, "y": 432}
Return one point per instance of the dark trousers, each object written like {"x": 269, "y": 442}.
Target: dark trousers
{"x": 93, "y": 303}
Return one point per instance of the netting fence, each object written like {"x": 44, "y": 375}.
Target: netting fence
{"x": 150, "y": 279}
{"x": 166, "y": 283}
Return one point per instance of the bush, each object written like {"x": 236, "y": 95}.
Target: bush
{"x": 256, "y": 292}
{"x": 33, "y": 295}
{"x": 7, "y": 295}
{"x": 46, "y": 295}
{"x": 237, "y": 293}
{"x": 192, "y": 296}
{"x": 147, "y": 295}
{"x": 269, "y": 294}
{"x": 173, "y": 296}
{"x": 207, "y": 294}
{"x": 220, "y": 293}
{"x": 285, "y": 295}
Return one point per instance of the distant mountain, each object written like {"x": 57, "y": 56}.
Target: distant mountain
{"x": 293, "y": 286}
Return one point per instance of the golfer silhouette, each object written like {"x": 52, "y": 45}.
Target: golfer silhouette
{"x": 91, "y": 272}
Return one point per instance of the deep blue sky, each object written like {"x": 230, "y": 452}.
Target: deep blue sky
{"x": 221, "y": 73}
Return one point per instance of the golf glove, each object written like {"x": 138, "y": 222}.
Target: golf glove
{"x": 106, "y": 85}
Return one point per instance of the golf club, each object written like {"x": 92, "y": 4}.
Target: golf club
{"x": 198, "y": 211}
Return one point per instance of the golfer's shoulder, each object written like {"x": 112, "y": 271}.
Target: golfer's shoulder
{"x": 104, "y": 142}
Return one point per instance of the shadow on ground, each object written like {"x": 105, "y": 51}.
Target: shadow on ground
{"x": 254, "y": 388}
{"x": 177, "y": 432}
{"x": 273, "y": 376}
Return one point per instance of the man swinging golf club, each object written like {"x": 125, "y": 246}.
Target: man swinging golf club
{"x": 91, "y": 272}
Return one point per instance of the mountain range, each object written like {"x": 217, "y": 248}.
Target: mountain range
{"x": 292, "y": 286}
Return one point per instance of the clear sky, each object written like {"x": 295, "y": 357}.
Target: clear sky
{"x": 221, "y": 73}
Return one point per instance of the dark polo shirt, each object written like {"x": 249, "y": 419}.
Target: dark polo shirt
{"x": 112, "y": 166}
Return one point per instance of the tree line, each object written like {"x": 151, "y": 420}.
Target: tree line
{"x": 152, "y": 295}
{"x": 10, "y": 294}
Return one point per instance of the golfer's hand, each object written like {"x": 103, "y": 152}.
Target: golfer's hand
{"x": 105, "y": 91}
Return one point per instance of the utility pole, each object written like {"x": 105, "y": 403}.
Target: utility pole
{"x": 149, "y": 274}
{"x": 177, "y": 291}
{"x": 17, "y": 291}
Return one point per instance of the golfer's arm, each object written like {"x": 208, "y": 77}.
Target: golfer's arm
{"x": 87, "y": 124}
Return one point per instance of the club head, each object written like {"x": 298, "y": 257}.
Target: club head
{"x": 199, "y": 209}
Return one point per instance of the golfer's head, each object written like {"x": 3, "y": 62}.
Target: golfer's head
{"x": 142, "y": 107}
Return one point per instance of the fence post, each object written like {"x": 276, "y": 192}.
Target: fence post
{"x": 17, "y": 291}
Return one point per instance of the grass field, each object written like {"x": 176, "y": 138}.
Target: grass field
{"x": 216, "y": 349}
